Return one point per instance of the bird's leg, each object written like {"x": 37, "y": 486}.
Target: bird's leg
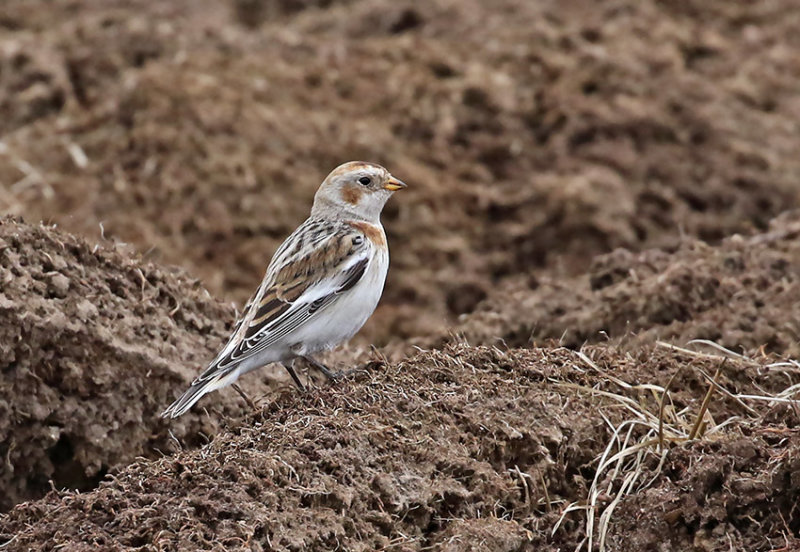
{"x": 247, "y": 399}
{"x": 333, "y": 376}
{"x": 290, "y": 368}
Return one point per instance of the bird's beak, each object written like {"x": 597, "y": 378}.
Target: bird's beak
{"x": 393, "y": 184}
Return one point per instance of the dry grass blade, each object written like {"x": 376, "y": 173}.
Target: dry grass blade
{"x": 624, "y": 489}
{"x": 622, "y": 462}
{"x": 720, "y": 348}
{"x": 727, "y": 352}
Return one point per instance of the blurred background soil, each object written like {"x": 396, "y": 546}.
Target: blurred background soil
{"x": 534, "y": 135}
{"x": 614, "y": 173}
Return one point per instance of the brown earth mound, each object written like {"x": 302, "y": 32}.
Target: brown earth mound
{"x": 532, "y": 133}
{"x": 535, "y": 136}
{"x": 465, "y": 445}
{"x": 93, "y": 345}
{"x": 743, "y": 294}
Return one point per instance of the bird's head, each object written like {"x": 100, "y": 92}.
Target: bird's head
{"x": 356, "y": 189}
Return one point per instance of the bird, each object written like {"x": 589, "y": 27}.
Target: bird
{"x": 321, "y": 286}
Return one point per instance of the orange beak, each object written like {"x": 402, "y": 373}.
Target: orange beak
{"x": 393, "y": 184}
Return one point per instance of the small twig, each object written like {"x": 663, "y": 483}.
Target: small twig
{"x": 177, "y": 442}
{"x": 546, "y": 494}
{"x": 9, "y": 541}
{"x": 242, "y": 394}
{"x": 525, "y": 486}
{"x": 706, "y": 400}
{"x": 664, "y": 396}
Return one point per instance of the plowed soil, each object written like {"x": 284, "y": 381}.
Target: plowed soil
{"x": 408, "y": 456}
{"x": 588, "y": 336}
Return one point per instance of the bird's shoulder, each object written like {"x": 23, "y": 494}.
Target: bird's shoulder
{"x": 318, "y": 247}
{"x": 371, "y": 231}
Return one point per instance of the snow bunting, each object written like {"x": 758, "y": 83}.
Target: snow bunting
{"x": 321, "y": 286}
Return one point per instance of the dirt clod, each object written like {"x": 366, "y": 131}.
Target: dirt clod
{"x": 440, "y": 450}
{"x": 743, "y": 294}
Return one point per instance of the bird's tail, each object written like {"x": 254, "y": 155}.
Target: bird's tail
{"x": 197, "y": 390}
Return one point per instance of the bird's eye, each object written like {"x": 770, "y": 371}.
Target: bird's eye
{"x": 365, "y": 181}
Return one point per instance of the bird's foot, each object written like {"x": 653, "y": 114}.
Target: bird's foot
{"x": 327, "y": 372}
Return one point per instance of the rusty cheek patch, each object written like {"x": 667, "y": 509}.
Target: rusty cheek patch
{"x": 351, "y": 195}
{"x": 372, "y": 232}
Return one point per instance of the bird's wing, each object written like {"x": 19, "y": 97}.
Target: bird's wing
{"x": 317, "y": 263}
